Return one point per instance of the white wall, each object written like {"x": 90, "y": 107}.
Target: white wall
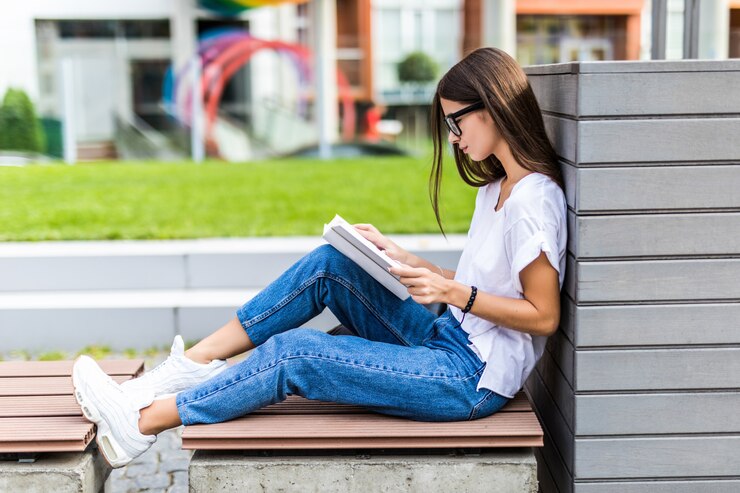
{"x": 18, "y": 66}
{"x": 400, "y": 27}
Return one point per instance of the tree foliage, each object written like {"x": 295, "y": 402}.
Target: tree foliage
{"x": 20, "y": 129}
{"x": 417, "y": 67}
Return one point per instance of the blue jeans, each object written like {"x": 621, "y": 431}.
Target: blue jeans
{"x": 403, "y": 360}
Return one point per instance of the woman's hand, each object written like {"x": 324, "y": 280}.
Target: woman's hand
{"x": 375, "y": 237}
{"x": 423, "y": 285}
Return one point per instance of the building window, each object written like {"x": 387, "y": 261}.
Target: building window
{"x": 103, "y": 29}
{"x": 735, "y": 33}
{"x": 545, "y": 39}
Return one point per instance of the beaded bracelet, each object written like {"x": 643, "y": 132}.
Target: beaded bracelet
{"x": 471, "y": 300}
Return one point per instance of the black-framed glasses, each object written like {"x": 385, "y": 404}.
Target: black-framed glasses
{"x": 451, "y": 119}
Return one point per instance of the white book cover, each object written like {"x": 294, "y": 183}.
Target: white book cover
{"x": 345, "y": 238}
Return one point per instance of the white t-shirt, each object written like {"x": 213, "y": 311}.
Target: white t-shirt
{"x": 500, "y": 245}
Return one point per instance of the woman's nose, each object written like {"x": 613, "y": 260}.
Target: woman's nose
{"x": 452, "y": 138}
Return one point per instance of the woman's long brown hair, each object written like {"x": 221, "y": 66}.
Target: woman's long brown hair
{"x": 492, "y": 76}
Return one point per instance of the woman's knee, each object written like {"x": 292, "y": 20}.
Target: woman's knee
{"x": 295, "y": 342}
{"x": 327, "y": 258}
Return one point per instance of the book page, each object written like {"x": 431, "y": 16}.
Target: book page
{"x": 369, "y": 258}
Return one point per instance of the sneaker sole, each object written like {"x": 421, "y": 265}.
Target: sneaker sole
{"x": 107, "y": 444}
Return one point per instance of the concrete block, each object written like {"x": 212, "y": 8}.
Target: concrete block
{"x": 92, "y": 272}
{"x": 505, "y": 470}
{"x": 195, "y": 323}
{"x": 60, "y": 472}
{"x": 45, "y": 329}
{"x": 237, "y": 270}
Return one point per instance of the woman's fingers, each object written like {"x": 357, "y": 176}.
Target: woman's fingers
{"x": 405, "y": 271}
{"x": 367, "y": 227}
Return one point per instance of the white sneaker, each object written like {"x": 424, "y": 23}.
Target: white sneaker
{"x": 104, "y": 403}
{"x": 173, "y": 375}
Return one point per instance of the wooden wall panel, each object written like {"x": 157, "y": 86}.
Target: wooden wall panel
{"x": 657, "y": 457}
{"x": 658, "y": 369}
{"x": 644, "y": 189}
{"x": 656, "y": 280}
{"x": 651, "y": 325}
{"x": 638, "y": 390}
{"x": 658, "y": 413}
{"x": 654, "y": 235}
{"x": 665, "y": 486}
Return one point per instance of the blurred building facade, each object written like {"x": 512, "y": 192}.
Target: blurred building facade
{"x": 120, "y": 51}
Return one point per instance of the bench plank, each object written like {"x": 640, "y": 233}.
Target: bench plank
{"x": 51, "y": 434}
{"x": 64, "y": 368}
{"x": 39, "y": 405}
{"x": 42, "y": 385}
{"x": 295, "y": 404}
{"x": 299, "y": 423}
{"x": 38, "y": 412}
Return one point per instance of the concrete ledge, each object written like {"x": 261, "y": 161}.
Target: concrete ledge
{"x": 62, "y": 473}
{"x": 176, "y": 264}
{"x": 501, "y": 470}
{"x": 71, "y": 320}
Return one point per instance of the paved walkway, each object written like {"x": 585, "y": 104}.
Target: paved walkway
{"x": 162, "y": 469}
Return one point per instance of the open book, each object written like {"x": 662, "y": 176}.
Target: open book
{"x": 343, "y": 236}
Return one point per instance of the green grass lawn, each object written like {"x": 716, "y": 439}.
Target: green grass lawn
{"x": 141, "y": 200}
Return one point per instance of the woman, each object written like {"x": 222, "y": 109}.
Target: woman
{"x": 503, "y": 300}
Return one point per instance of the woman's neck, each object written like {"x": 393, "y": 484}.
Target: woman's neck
{"x": 514, "y": 171}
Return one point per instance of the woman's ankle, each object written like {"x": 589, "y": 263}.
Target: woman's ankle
{"x": 198, "y": 356}
{"x": 159, "y": 416}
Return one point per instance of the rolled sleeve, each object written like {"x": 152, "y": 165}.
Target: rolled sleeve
{"x": 524, "y": 241}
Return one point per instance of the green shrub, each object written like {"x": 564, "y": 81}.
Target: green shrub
{"x": 20, "y": 130}
{"x": 52, "y": 356}
{"x": 95, "y": 351}
{"x": 130, "y": 353}
{"x": 417, "y": 67}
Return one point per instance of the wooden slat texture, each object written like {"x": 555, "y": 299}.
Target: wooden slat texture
{"x": 363, "y": 431}
{"x": 544, "y": 476}
{"x": 557, "y": 386}
{"x": 41, "y": 385}
{"x": 64, "y": 368}
{"x": 645, "y": 281}
{"x": 560, "y": 349}
{"x": 654, "y": 140}
{"x": 654, "y": 235}
{"x": 563, "y": 133}
{"x": 38, "y": 413}
{"x": 552, "y": 419}
{"x": 298, "y": 405}
{"x": 658, "y": 369}
{"x": 689, "y": 368}
{"x": 665, "y": 486}
{"x": 553, "y": 459}
{"x": 658, "y": 413}
{"x": 636, "y": 94}
{"x": 50, "y": 434}
{"x": 638, "y": 390}
{"x": 557, "y": 93}
{"x": 657, "y": 457}
{"x": 642, "y": 188}
{"x": 657, "y": 93}
{"x": 39, "y": 405}
{"x": 302, "y": 424}
{"x": 680, "y": 67}
{"x": 651, "y": 325}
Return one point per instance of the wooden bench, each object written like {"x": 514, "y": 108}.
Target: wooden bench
{"x": 43, "y": 437}
{"x": 303, "y": 445}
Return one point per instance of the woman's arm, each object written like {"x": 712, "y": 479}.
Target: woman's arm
{"x": 395, "y": 252}
{"x": 537, "y": 314}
